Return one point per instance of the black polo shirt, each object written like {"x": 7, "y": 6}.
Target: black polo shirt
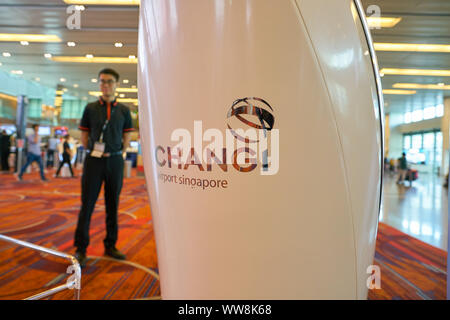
{"x": 94, "y": 118}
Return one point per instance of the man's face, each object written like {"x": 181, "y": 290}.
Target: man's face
{"x": 36, "y": 129}
{"x": 108, "y": 85}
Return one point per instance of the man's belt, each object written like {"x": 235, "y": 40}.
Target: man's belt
{"x": 107, "y": 154}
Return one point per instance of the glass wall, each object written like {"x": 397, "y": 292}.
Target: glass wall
{"x": 8, "y": 107}
{"x": 72, "y": 109}
{"x": 424, "y": 114}
{"x": 424, "y": 148}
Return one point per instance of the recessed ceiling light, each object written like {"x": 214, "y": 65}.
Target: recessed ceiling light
{"x": 79, "y": 8}
{"x": 6, "y": 54}
{"x": 122, "y": 95}
{"x": 414, "y": 47}
{"x": 89, "y": 56}
{"x": 48, "y": 55}
{"x": 127, "y": 89}
{"x": 383, "y": 22}
{"x": 132, "y": 57}
{"x": 127, "y": 100}
{"x": 416, "y": 72}
{"x": 37, "y": 79}
{"x": 1, "y": 64}
{"x": 71, "y": 44}
{"x": 421, "y": 86}
{"x": 118, "y": 44}
{"x": 133, "y": 86}
{"x": 381, "y": 74}
{"x": 24, "y": 43}
{"x": 403, "y": 92}
{"x": 65, "y": 89}
{"x": 62, "y": 79}
{"x": 13, "y": 37}
{"x": 105, "y": 2}
{"x": 441, "y": 84}
{"x": 75, "y": 85}
{"x": 20, "y": 72}
{"x": 86, "y": 59}
{"x": 126, "y": 81}
{"x": 94, "y": 80}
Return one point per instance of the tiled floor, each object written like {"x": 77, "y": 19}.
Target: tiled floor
{"x": 420, "y": 210}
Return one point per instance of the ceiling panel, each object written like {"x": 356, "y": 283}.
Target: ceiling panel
{"x": 101, "y": 27}
{"x": 423, "y": 21}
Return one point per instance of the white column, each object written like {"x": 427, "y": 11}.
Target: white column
{"x": 445, "y": 127}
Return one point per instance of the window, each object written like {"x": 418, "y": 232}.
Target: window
{"x": 424, "y": 148}
{"x": 408, "y": 116}
{"x": 417, "y": 115}
{"x": 72, "y": 109}
{"x": 406, "y": 142}
{"x": 34, "y": 108}
{"x": 428, "y": 140}
{"x": 416, "y": 141}
{"x": 440, "y": 110}
{"x": 429, "y": 113}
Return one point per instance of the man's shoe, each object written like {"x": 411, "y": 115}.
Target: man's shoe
{"x": 114, "y": 253}
{"x": 18, "y": 177}
{"x": 81, "y": 257}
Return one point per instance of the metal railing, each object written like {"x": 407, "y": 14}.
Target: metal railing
{"x": 73, "y": 282}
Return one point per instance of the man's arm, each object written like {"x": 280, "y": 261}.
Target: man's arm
{"x": 84, "y": 138}
{"x": 126, "y": 140}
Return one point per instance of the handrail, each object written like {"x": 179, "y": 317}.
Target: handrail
{"x": 73, "y": 282}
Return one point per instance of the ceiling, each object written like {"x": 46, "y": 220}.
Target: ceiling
{"x": 423, "y": 21}
{"x": 101, "y": 28}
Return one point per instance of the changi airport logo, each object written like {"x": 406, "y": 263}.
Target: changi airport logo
{"x": 251, "y": 141}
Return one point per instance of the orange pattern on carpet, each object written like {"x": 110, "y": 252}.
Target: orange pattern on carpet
{"x": 46, "y": 214}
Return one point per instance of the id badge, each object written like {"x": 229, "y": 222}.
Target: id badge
{"x": 99, "y": 149}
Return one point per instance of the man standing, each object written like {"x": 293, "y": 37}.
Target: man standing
{"x": 106, "y": 127}
{"x": 52, "y": 147}
{"x": 67, "y": 156}
{"x": 403, "y": 168}
{"x": 34, "y": 153}
{"x": 5, "y": 144}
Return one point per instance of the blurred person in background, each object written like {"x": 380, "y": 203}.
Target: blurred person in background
{"x": 5, "y": 145}
{"x": 67, "y": 156}
{"x": 52, "y": 148}
{"x": 34, "y": 153}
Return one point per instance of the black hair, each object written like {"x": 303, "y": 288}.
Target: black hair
{"x": 109, "y": 71}
{"x": 35, "y": 125}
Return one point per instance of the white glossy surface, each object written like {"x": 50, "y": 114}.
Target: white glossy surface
{"x": 348, "y": 72}
{"x": 264, "y": 237}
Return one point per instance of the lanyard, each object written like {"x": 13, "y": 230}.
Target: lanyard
{"x": 106, "y": 124}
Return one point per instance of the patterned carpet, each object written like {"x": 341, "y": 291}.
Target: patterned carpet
{"x": 46, "y": 214}
{"x": 410, "y": 268}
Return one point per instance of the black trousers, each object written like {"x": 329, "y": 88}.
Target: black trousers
{"x": 4, "y": 160}
{"x": 50, "y": 158}
{"x": 95, "y": 172}
{"x": 66, "y": 159}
